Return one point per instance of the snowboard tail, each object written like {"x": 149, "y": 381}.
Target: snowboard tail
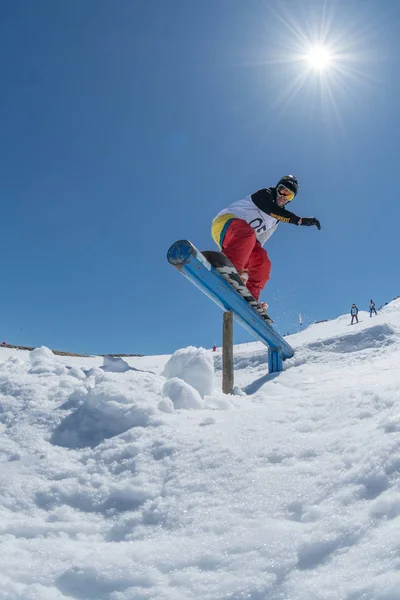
{"x": 227, "y": 270}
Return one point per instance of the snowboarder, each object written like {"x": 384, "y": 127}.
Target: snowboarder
{"x": 372, "y": 308}
{"x": 354, "y": 313}
{"x": 241, "y": 229}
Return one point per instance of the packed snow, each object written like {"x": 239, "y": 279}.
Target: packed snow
{"x": 137, "y": 479}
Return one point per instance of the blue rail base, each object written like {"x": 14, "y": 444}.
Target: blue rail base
{"x": 274, "y": 360}
{"x": 195, "y": 267}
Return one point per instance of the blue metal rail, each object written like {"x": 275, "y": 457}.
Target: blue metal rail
{"x": 191, "y": 263}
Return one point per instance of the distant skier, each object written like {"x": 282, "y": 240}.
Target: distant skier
{"x": 241, "y": 229}
{"x": 354, "y": 314}
{"x": 372, "y": 308}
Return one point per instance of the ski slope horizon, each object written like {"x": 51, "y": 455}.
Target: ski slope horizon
{"x": 137, "y": 479}
{"x": 74, "y": 352}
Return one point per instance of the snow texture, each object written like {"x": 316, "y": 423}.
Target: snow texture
{"x": 137, "y": 479}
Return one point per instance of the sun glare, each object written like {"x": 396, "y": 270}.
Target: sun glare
{"x": 319, "y": 58}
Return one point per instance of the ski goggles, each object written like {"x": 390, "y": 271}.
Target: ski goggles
{"x": 282, "y": 190}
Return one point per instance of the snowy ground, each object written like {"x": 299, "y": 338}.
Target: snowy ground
{"x": 139, "y": 479}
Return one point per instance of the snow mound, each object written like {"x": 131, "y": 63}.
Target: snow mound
{"x": 182, "y": 394}
{"x": 373, "y": 337}
{"x": 44, "y": 362}
{"x": 115, "y": 364}
{"x": 194, "y": 366}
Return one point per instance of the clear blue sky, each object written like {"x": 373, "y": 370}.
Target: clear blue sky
{"x": 128, "y": 124}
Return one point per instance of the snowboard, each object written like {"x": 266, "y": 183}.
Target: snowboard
{"x": 226, "y": 269}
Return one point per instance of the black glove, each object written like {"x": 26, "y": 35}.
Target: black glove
{"x": 308, "y": 221}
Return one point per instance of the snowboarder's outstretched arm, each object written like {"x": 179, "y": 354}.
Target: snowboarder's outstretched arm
{"x": 263, "y": 199}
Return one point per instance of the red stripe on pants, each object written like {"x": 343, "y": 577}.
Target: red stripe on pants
{"x": 240, "y": 245}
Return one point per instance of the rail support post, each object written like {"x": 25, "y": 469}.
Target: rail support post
{"x": 274, "y": 360}
{"x": 227, "y": 353}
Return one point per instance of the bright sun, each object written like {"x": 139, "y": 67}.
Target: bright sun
{"x": 319, "y": 57}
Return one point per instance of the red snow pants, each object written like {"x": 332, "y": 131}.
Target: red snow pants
{"x": 240, "y": 245}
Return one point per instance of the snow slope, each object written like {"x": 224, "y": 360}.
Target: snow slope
{"x": 138, "y": 479}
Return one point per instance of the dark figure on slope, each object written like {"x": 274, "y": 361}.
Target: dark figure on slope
{"x": 354, "y": 314}
{"x": 372, "y": 308}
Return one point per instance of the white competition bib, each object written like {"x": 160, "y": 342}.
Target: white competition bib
{"x": 264, "y": 225}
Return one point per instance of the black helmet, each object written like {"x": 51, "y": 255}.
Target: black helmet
{"x": 290, "y": 182}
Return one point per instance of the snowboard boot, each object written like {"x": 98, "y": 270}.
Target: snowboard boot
{"x": 244, "y": 276}
{"x": 264, "y": 306}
